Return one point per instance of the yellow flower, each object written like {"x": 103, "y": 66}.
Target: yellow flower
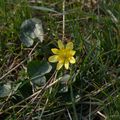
{"x": 63, "y": 55}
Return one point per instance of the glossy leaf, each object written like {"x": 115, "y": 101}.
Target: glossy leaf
{"x": 31, "y": 29}
{"x": 37, "y": 70}
{"x": 40, "y": 81}
{"x": 5, "y": 90}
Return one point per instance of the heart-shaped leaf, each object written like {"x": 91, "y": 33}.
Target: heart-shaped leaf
{"x": 5, "y": 90}
{"x": 37, "y": 70}
{"x": 31, "y": 29}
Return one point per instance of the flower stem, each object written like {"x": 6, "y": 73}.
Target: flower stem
{"x": 73, "y": 102}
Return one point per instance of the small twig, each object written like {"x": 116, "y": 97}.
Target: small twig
{"x": 33, "y": 95}
{"x": 53, "y": 80}
{"x": 36, "y": 95}
{"x": 42, "y": 90}
{"x": 29, "y": 55}
{"x": 43, "y": 109}
{"x": 103, "y": 116}
{"x": 12, "y": 69}
{"x": 54, "y": 113}
{"x": 44, "y": 87}
{"x": 69, "y": 115}
{"x": 63, "y": 20}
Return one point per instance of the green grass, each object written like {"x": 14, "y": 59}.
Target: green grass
{"x": 94, "y": 79}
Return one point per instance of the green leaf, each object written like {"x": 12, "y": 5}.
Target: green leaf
{"x": 5, "y": 90}
{"x": 25, "y": 88}
{"x": 43, "y": 9}
{"x": 63, "y": 83}
{"x": 31, "y": 29}
{"x": 65, "y": 78}
{"x": 39, "y": 81}
{"x": 37, "y": 70}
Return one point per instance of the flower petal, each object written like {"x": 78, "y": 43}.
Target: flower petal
{"x": 60, "y": 44}
{"x": 66, "y": 64}
{"x": 72, "y": 60}
{"x": 59, "y": 65}
{"x": 69, "y": 45}
{"x": 55, "y": 50}
{"x": 72, "y": 52}
{"x": 53, "y": 58}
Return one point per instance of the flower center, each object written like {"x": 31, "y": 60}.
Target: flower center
{"x": 64, "y": 55}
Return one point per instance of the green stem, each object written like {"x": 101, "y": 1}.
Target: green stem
{"x": 73, "y": 103}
